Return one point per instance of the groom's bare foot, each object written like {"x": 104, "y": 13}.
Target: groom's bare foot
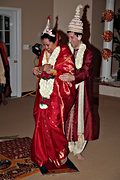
{"x": 80, "y": 157}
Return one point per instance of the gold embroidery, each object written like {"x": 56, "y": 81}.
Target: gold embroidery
{"x": 47, "y": 59}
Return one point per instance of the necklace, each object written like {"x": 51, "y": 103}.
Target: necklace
{"x": 79, "y": 55}
{"x": 46, "y": 85}
{"x": 52, "y": 58}
{"x": 47, "y": 58}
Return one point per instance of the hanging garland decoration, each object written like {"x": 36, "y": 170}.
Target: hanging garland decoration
{"x": 107, "y": 36}
{"x": 106, "y": 53}
{"x": 107, "y": 15}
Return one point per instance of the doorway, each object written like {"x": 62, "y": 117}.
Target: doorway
{"x": 10, "y": 33}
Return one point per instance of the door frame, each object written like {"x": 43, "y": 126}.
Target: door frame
{"x": 18, "y": 48}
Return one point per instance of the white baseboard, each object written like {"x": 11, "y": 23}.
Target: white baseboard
{"x": 109, "y": 90}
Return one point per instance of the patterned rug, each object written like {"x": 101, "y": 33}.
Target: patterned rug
{"x": 15, "y": 161}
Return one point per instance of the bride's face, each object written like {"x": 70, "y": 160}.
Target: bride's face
{"x": 48, "y": 45}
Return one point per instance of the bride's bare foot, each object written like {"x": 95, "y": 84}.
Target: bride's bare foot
{"x": 80, "y": 156}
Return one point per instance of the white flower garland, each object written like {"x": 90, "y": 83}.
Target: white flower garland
{"x": 53, "y": 57}
{"x": 80, "y": 54}
{"x": 78, "y": 146}
{"x": 46, "y": 85}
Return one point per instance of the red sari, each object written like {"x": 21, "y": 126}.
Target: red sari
{"x": 49, "y": 141}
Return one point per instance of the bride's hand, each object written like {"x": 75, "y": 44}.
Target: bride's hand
{"x": 37, "y": 71}
{"x": 47, "y": 68}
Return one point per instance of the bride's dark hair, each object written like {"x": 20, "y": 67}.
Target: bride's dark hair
{"x": 51, "y": 38}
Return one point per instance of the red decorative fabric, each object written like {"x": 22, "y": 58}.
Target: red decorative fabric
{"x": 3, "y": 52}
{"x": 49, "y": 141}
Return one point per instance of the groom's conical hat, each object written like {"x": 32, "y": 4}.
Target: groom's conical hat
{"x": 76, "y": 25}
